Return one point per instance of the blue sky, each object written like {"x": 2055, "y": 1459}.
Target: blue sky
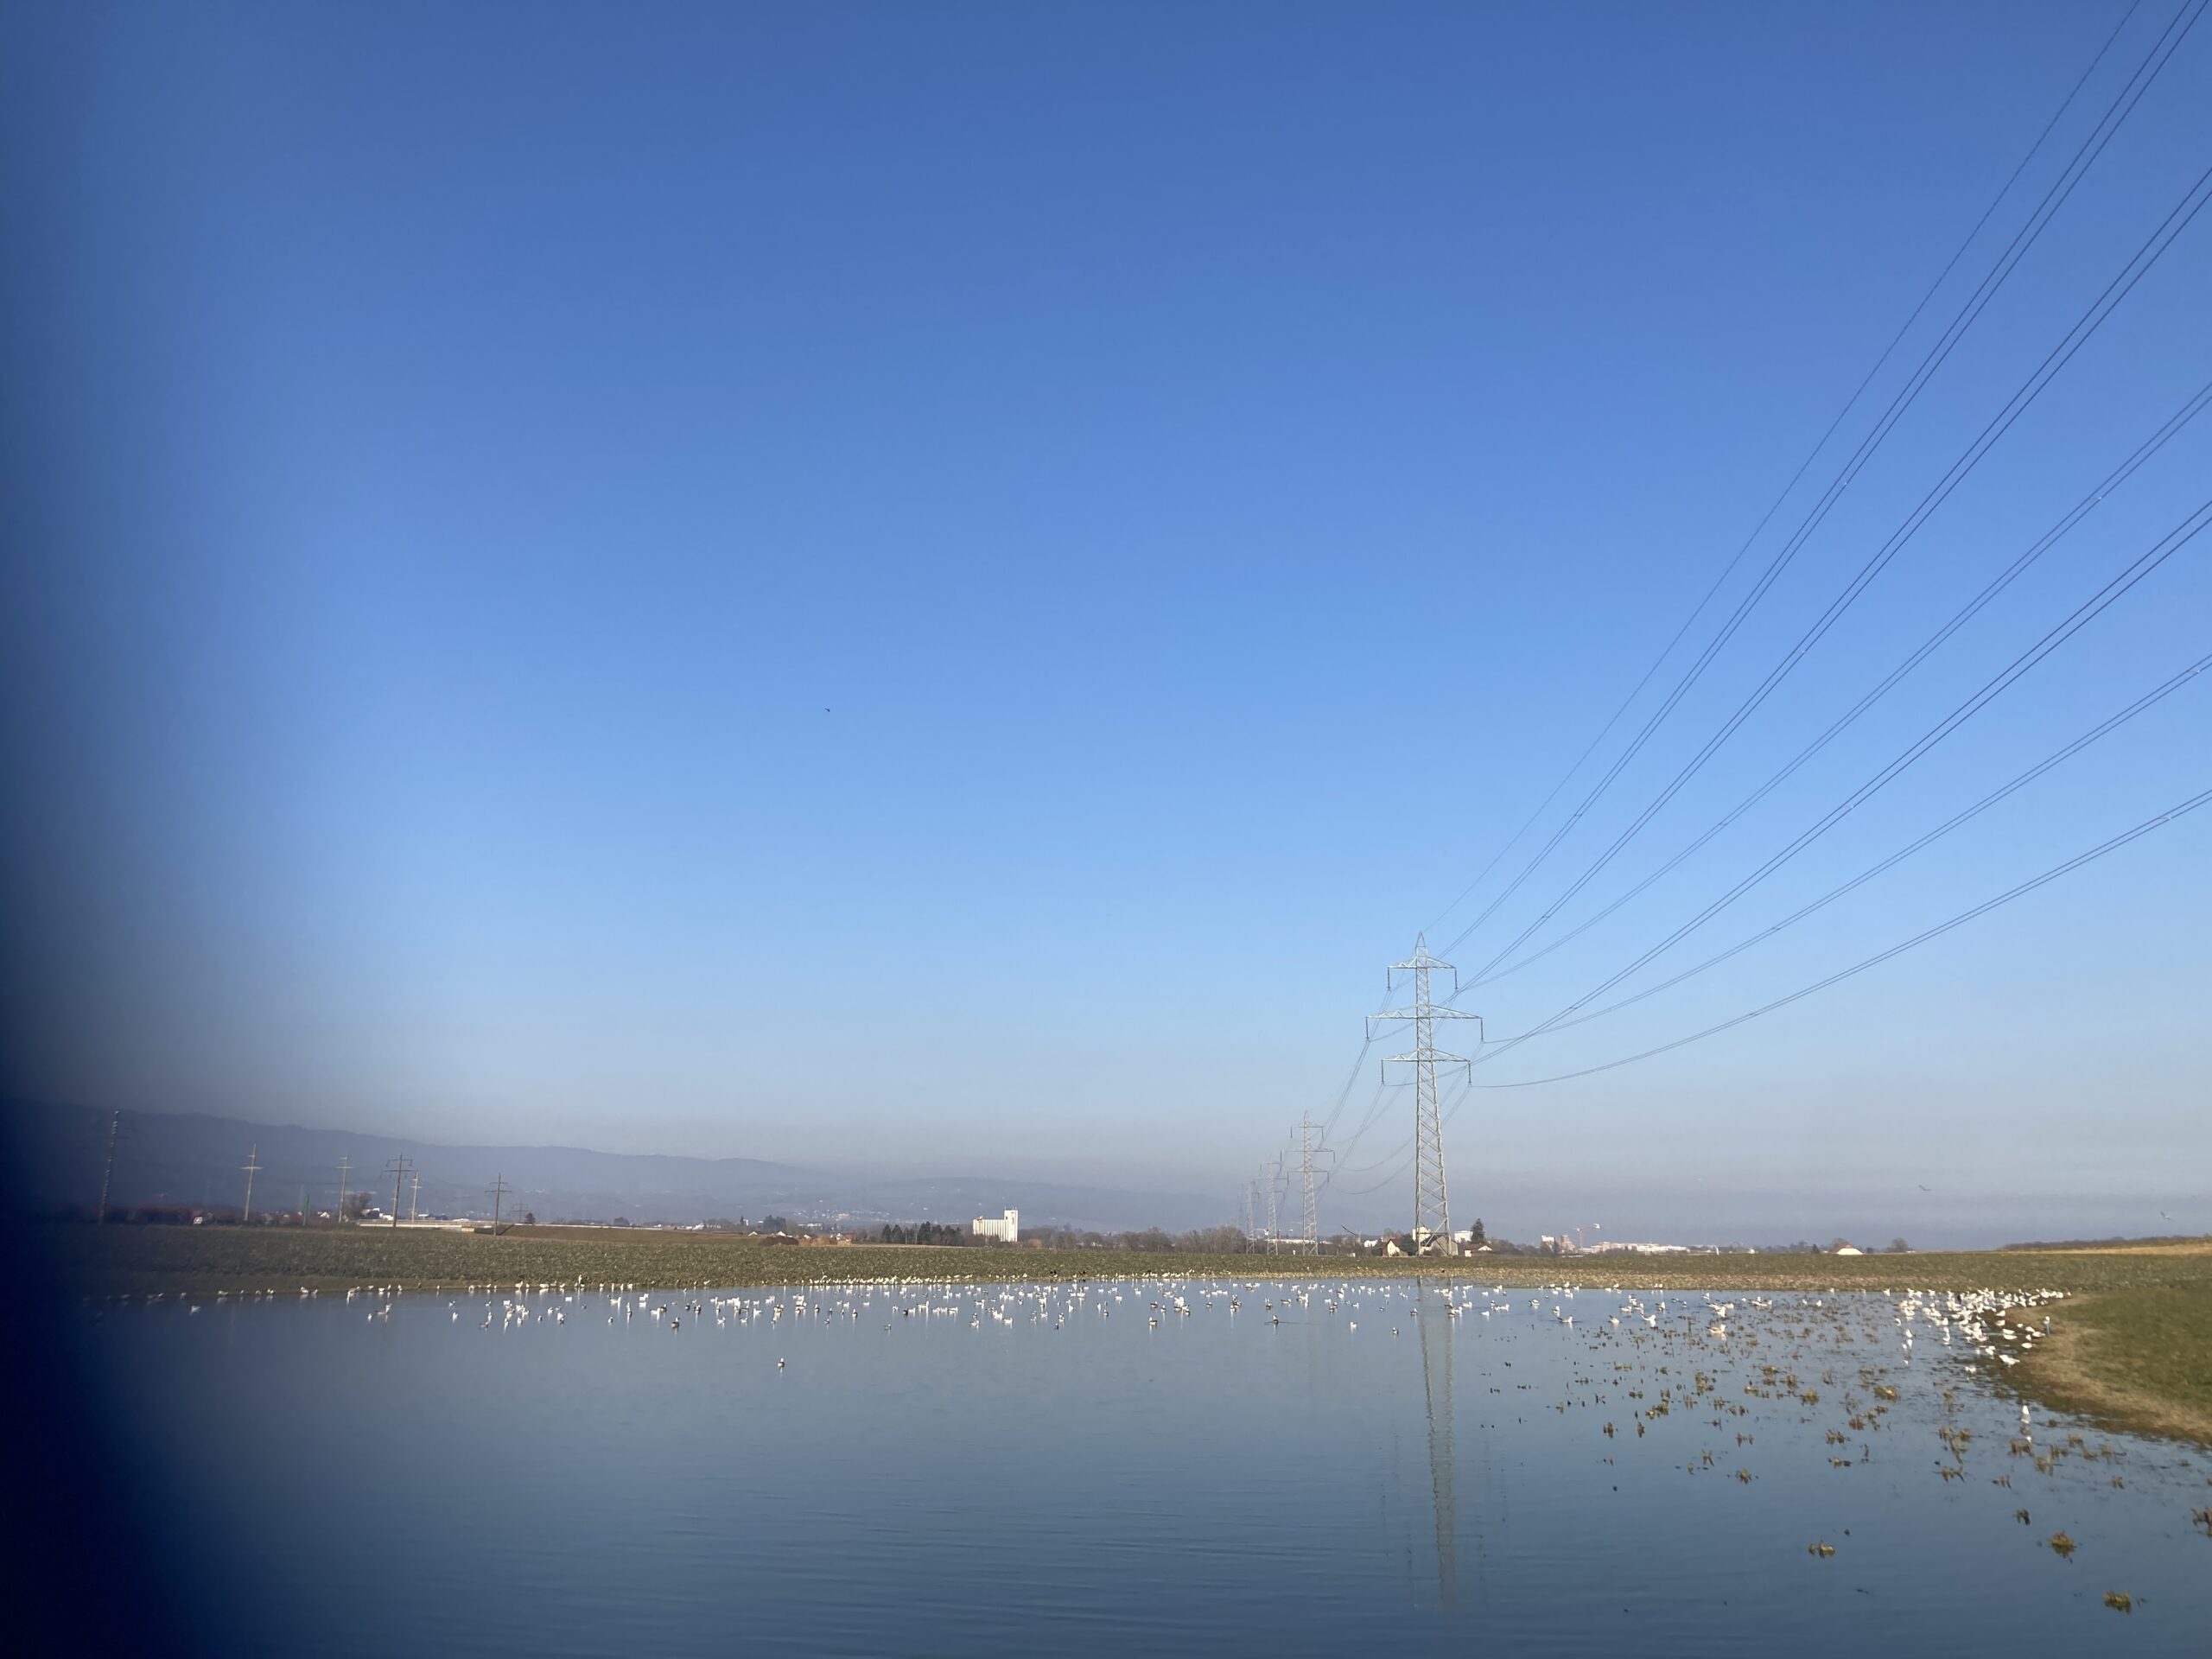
{"x": 941, "y": 587}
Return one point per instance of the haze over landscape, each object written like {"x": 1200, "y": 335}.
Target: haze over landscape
{"x": 1001, "y": 829}
{"x": 938, "y": 603}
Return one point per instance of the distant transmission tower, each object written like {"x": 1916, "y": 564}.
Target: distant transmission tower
{"x": 1432, "y": 1208}
{"x": 344, "y": 1170}
{"x": 414, "y": 1198}
{"x": 252, "y": 1164}
{"x": 400, "y": 1168}
{"x": 107, "y": 1164}
{"x": 1274, "y": 1212}
{"x": 496, "y": 1191}
{"x": 1310, "y": 1231}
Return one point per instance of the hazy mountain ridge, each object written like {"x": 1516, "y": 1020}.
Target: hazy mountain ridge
{"x": 196, "y": 1158}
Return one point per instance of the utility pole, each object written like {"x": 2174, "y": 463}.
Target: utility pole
{"x": 345, "y": 1169}
{"x": 414, "y": 1198}
{"x": 1431, "y": 1207}
{"x": 399, "y": 1167}
{"x": 498, "y": 1190}
{"x": 250, "y": 1165}
{"x": 1311, "y": 1227}
{"x": 107, "y": 1165}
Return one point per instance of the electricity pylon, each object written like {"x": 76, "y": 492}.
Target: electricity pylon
{"x": 1274, "y": 1212}
{"x": 498, "y": 1190}
{"x": 252, "y": 1163}
{"x": 1311, "y": 1229}
{"x": 1432, "y": 1208}
{"x": 345, "y": 1174}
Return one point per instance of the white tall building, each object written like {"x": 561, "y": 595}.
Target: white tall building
{"x": 1007, "y": 1227}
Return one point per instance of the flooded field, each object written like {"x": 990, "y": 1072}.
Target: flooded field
{"x": 1308, "y": 1465}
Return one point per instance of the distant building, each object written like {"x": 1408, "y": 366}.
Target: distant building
{"x": 1847, "y": 1249}
{"x": 1006, "y": 1227}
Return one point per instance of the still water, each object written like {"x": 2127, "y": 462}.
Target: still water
{"x": 1304, "y": 1467}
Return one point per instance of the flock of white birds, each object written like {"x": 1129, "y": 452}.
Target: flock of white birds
{"x": 1978, "y": 1323}
{"x": 1743, "y": 1362}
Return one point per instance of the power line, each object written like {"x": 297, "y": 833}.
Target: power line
{"x": 1397, "y": 1158}
{"x": 1344, "y": 1093}
{"x": 2123, "y": 104}
{"x": 1876, "y": 960}
{"x": 2160, "y": 551}
{"x": 1812, "y": 455}
{"x": 2102, "y": 306}
{"x": 2155, "y": 695}
{"x": 1973, "y": 606}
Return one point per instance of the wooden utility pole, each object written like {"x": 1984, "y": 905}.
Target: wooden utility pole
{"x": 107, "y": 1166}
{"x": 250, "y": 1165}
{"x": 499, "y": 1189}
{"x": 399, "y": 1167}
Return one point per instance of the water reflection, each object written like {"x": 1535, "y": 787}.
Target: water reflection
{"x": 1432, "y": 1316}
{"x": 1128, "y": 1466}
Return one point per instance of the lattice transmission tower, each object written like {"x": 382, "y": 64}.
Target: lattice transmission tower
{"x": 1432, "y": 1230}
{"x": 1310, "y": 1231}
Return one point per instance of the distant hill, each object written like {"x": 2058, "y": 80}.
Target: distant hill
{"x": 193, "y": 1158}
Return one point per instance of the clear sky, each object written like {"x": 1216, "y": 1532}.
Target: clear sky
{"x": 940, "y": 588}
